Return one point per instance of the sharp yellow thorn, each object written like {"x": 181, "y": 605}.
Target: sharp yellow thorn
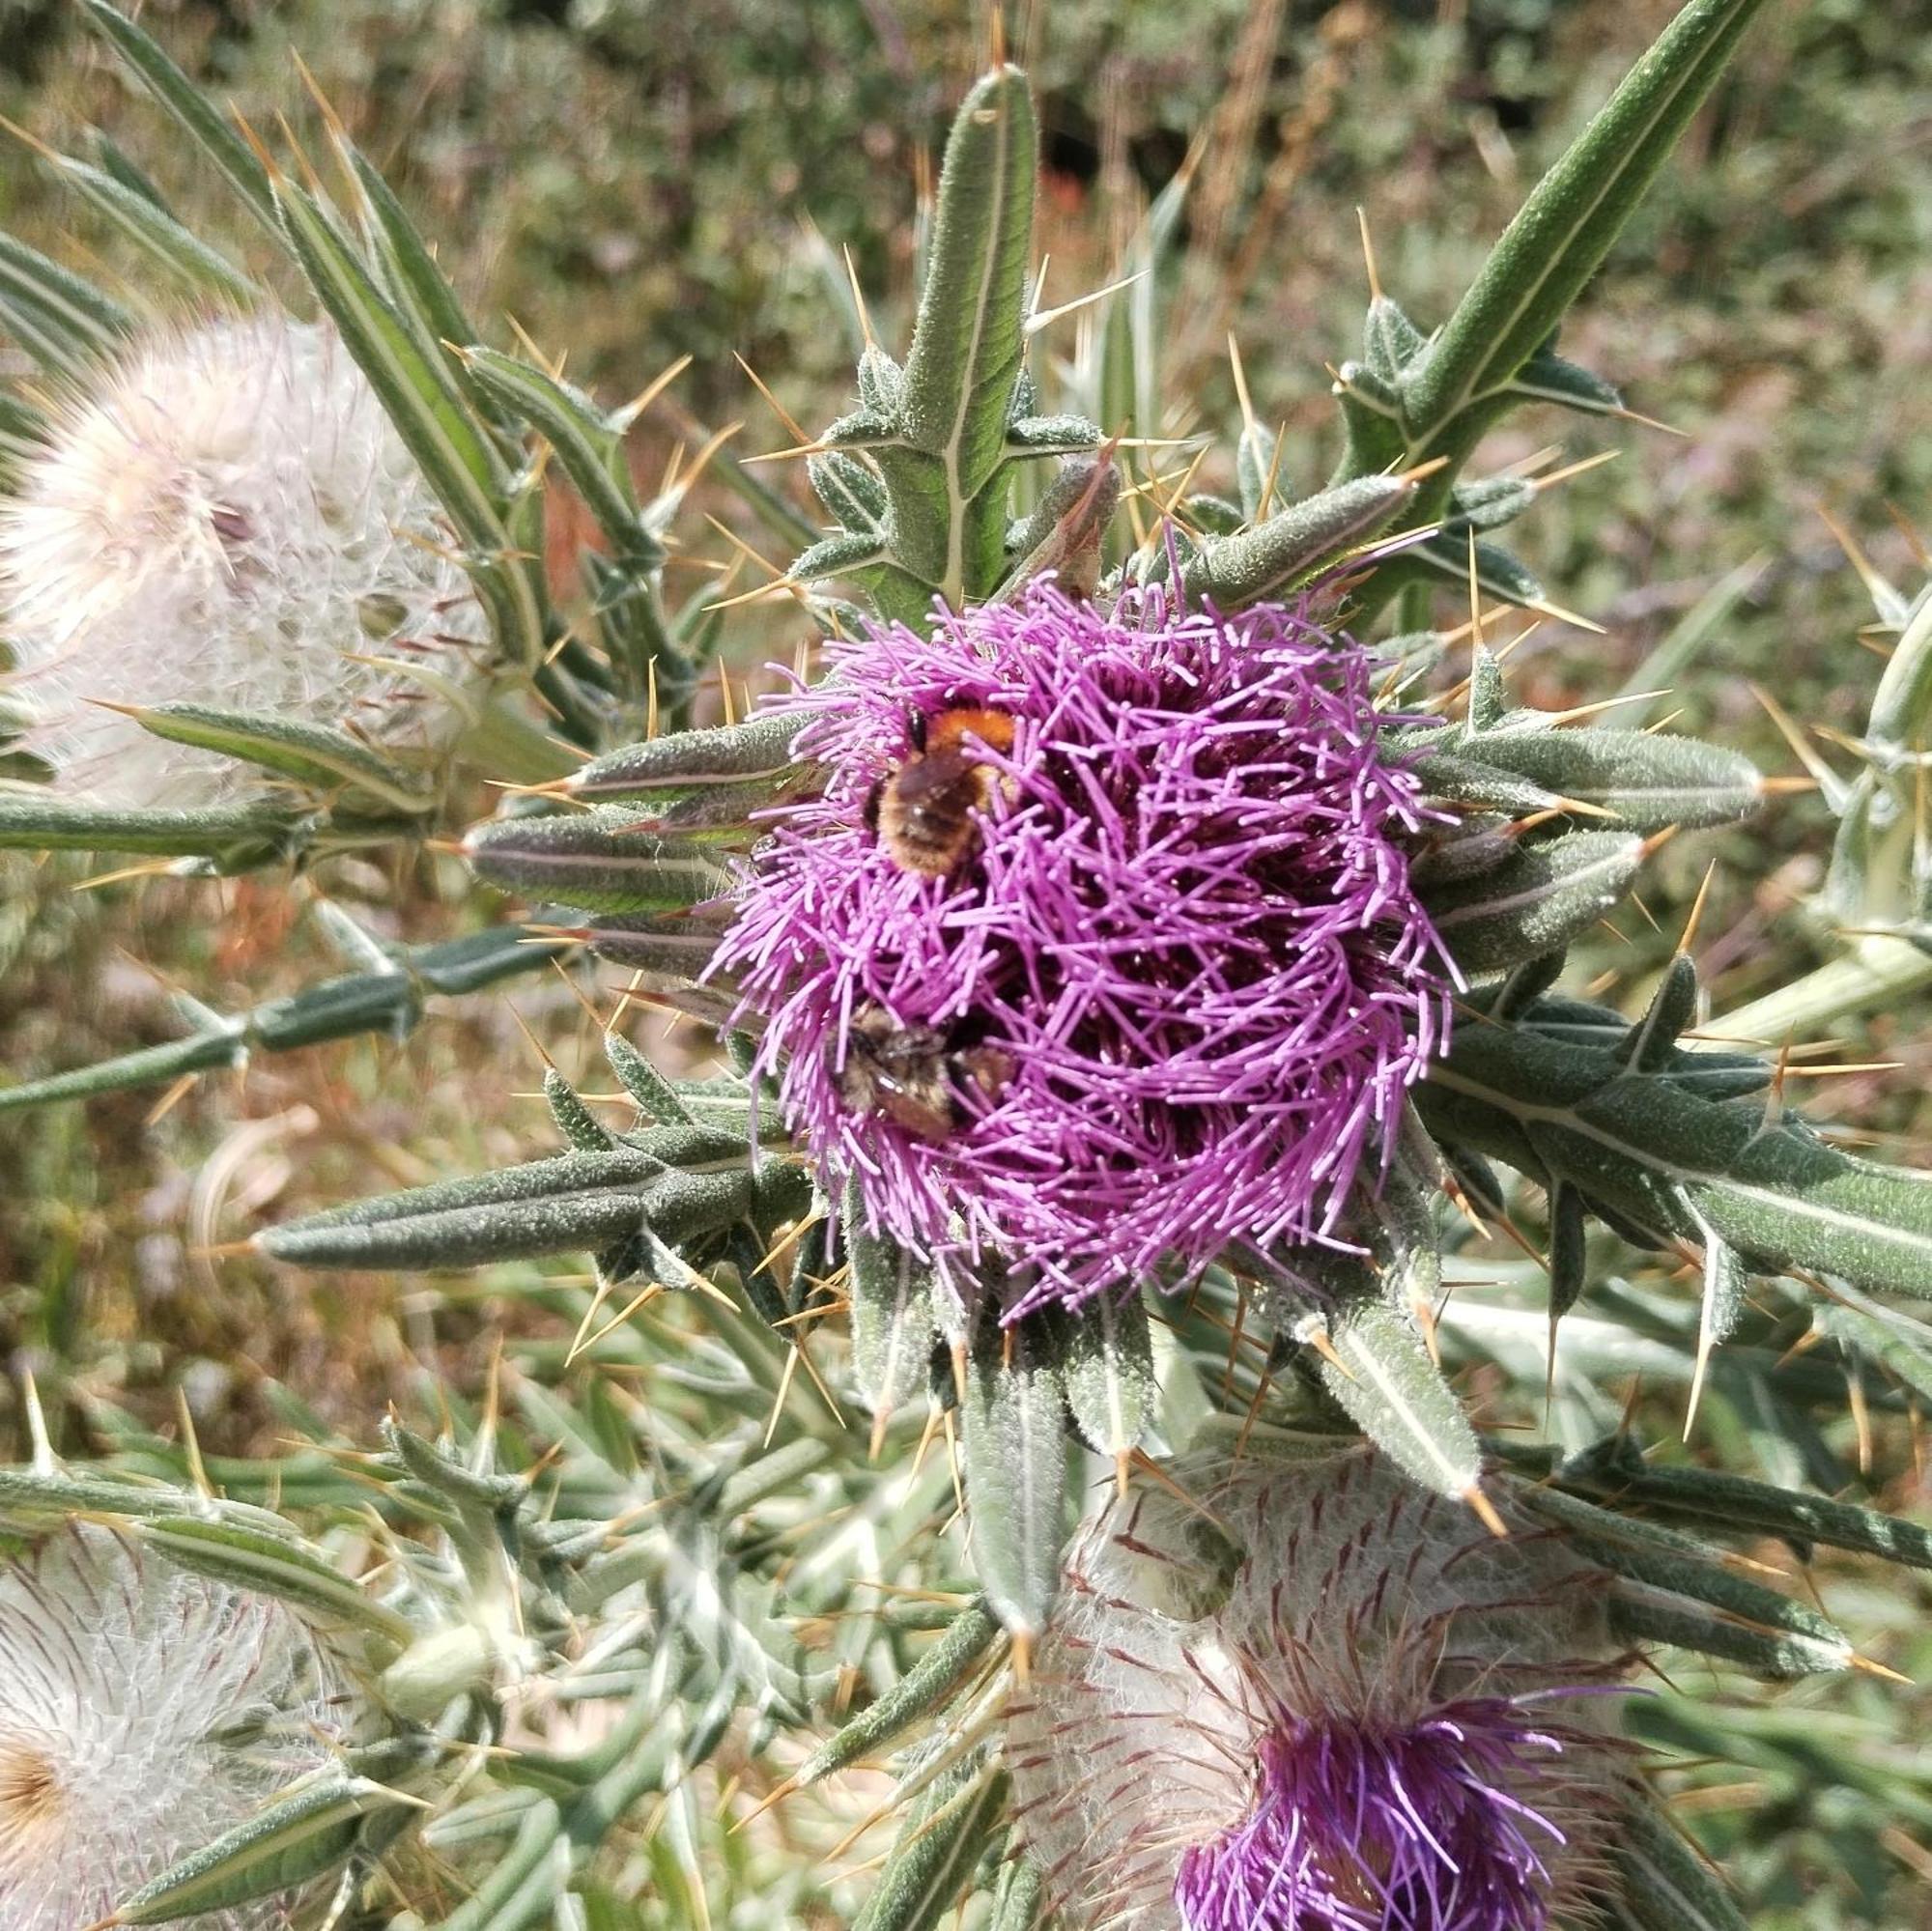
{"x": 1689, "y": 937}
{"x": 1318, "y": 1339}
{"x": 635, "y": 1306}
{"x": 1543, "y": 606}
{"x": 778, "y": 1794}
{"x": 1646, "y": 421}
{"x": 1045, "y": 317}
{"x": 1485, "y": 1511}
{"x": 1421, "y": 471}
{"x": 1274, "y": 471}
{"x": 1241, "y": 385}
{"x": 1369, "y": 255}
{"x": 703, "y": 460}
{"x": 1578, "y": 469}
{"x": 778, "y": 409}
{"x": 651, "y": 392}
{"x": 536, "y": 1045}
{"x": 1876, "y": 586}
{"x": 859, "y": 298}
{"x": 1022, "y": 1653}
{"x": 1787, "y": 727}
{"x": 1871, "y": 1666}
{"x": 779, "y": 1399}
{"x": 170, "y": 1099}
{"x": 191, "y": 1444}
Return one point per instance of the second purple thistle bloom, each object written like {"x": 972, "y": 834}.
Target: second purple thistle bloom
{"x": 1099, "y": 953}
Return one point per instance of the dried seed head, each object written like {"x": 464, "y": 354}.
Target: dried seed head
{"x": 143, "y": 1712}
{"x": 1159, "y": 886}
{"x": 226, "y": 518}
{"x": 1325, "y": 1701}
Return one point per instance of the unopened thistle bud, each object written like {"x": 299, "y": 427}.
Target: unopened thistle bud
{"x": 1099, "y": 950}
{"x": 143, "y": 1712}
{"x": 1318, "y": 1698}
{"x": 227, "y": 518}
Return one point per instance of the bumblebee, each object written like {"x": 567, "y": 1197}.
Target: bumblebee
{"x": 923, "y": 812}
{"x": 912, "y": 1075}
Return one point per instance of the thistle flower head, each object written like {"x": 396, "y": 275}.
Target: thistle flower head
{"x": 1099, "y": 950}
{"x": 227, "y": 518}
{"x": 143, "y": 1712}
{"x": 1384, "y": 1721}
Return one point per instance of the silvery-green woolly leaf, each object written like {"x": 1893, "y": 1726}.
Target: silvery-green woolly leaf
{"x": 949, "y": 423}
{"x": 1066, "y": 529}
{"x": 1547, "y": 378}
{"x": 1013, "y": 1450}
{"x": 312, "y": 754}
{"x": 282, "y": 1848}
{"x": 232, "y": 837}
{"x": 1019, "y": 1897}
{"x": 595, "y": 860}
{"x": 1554, "y": 244}
{"x": 1661, "y": 1155}
{"x": 197, "y": 116}
{"x": 1274, "y": 556}
{"x": 845, "y": 553}
{"x": 576, "y": 1203}
{"x": 246, "y": 1558}
{"x": 1051, "y": 434}
{"x": 1371, "y": 420}
{"x": 575, "y": 1120}
{"x": 519, "y": 1890}
{"x": 588, "y": 444}
{"x": 1667, "y": 1886}
{"x": 1486, "y": 504}
{"x": 1618, "y": 1472}
{"x": 64, "y": 323}
{"x": 1450, "y": 394}
{"x": 1645, "y": 779}
{"x": 1649, "y": 1045}
{"x": 850, "y": 490}
{"x": 945, "y": 1833}
{"x": 1451, "y": 557}
{"x": 452, "y": 447}
{"x": 152, "y": 229}
{"x": 1108, "y": 1373}
{"x": 1670, "y": 1582}
{"x": 414, "y": 282}
{"x": 943, "y": 1667}
{"x": 1371, "y": 1359}
{"x": 1540, "y": 897}
{"x": 657, "y": 1099}
{"x": 383, "y": 1003}
{"x": 1390, "y": 341}
{"x": 893, "y": 1321}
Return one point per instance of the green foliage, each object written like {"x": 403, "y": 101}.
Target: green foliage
{"x": 677, "y": 1527}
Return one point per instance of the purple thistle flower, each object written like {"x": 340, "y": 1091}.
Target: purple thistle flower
{"x": 1170, "y": 992}
{"x": 1381, "y": 1720}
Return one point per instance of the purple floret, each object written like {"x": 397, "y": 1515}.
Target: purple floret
{"x": 1413, "y": 1830}
{"x": 1184, "y": 929}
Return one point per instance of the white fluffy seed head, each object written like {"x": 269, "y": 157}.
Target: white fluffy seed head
{"x": 143, "y": 1712}
{"x": 1297, "y": 1586}
{"x": 229, "y": 518}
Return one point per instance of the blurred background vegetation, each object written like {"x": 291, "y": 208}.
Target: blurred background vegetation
{"x": 635, "y": 183}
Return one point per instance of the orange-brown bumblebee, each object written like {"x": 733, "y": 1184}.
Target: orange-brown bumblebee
{"x": 924, "y": 812}
{"x": 912, "y": 1076}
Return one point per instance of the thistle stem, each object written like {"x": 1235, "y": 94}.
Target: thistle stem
{"x": 1877, "y": 969}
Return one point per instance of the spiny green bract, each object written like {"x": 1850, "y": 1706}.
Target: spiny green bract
{"x": 703, "y": 1548}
